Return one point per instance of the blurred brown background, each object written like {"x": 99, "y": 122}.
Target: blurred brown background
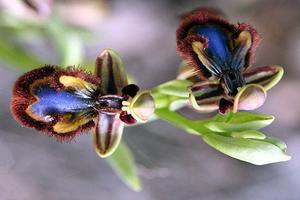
{"x": 173, "y": 165}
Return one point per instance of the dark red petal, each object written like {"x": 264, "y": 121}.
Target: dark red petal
{"x": 127, "y": 118}
{"x": 225, "y": 106}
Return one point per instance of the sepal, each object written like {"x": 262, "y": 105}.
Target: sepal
{"x": 110, "y": 69}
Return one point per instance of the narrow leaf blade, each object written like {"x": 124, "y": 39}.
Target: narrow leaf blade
{"x": 123, "y": 163}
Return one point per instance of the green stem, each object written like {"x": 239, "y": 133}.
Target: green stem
{"x": 168, "y": 93}
{"x": 176, "y": 119}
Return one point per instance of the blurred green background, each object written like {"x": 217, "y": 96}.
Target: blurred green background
{"x": 172, "y": 165}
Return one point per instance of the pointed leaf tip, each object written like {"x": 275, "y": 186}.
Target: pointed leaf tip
{"x": 257, "y": 152}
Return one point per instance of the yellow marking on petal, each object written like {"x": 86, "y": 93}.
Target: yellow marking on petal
{"x": 74, "y": 82}
{"x": 198, "y": 48}
{"x": 210, "y": 65}
{"x": 68, "y": 124}
{"x": 244, "y": 39}
{"x": 33, "y": 86}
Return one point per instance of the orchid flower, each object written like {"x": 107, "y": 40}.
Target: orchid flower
{"x": 65, "y": 102}
{"x": 218, "y": 58}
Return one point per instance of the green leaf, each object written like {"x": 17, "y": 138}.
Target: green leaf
{"x": 258, "y": 152}
{"x": 250, "y": 134}
{"x": 239, "y": 122}
{"x": 247, "y": 145}
{"x": 176, "y": 88}
{"x": 123, "y": 163}
{"x": 280, "y": 144}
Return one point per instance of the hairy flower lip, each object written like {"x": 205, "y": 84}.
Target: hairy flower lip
{"x": 204, "y": 16}
{"x": 216, "y": 50}
{"x": 22, "y": 98}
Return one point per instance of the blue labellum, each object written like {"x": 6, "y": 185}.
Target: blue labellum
{"x": 218, "y": 45}
{"x": 51, "y": 101}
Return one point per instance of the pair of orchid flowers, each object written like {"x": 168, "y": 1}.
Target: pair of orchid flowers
{"x": 65, "y": 102}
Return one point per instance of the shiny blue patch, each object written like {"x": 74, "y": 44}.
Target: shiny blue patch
{"x": 218, "y": 47}
{"x": 51, "y": 101}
